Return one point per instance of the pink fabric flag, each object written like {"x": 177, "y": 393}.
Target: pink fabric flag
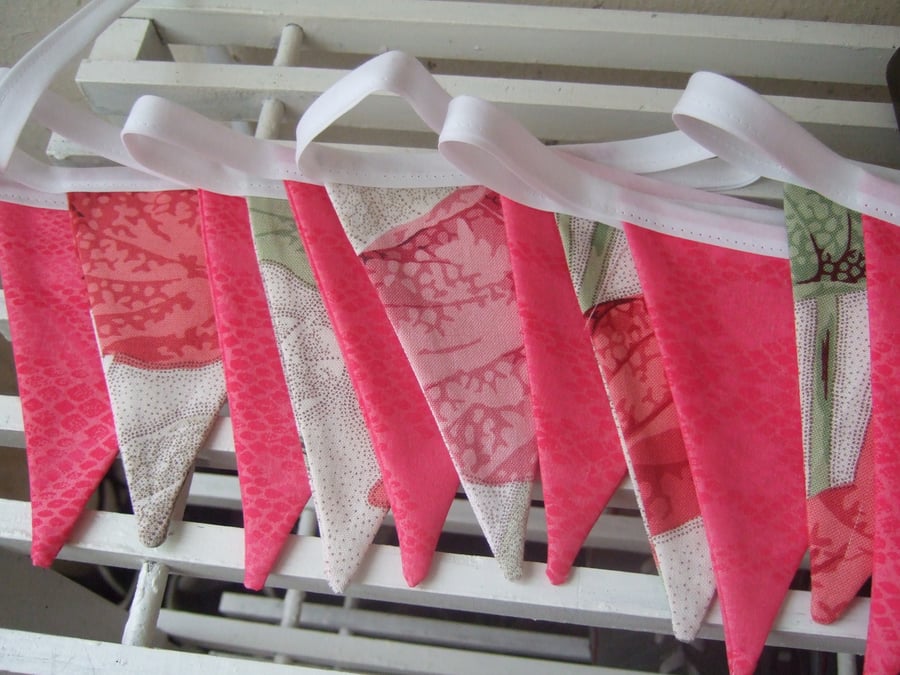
{"x": 274, "y": 485}
{"x": 580, "y": 454}
{"x": 883, "y": 270}
{"x": 725, "y": 324}
{"x": 419, "y": 477}
{"x": 143, "y": 264}
{"x": 69, "y": 432}
{"x": 439, "y": 261}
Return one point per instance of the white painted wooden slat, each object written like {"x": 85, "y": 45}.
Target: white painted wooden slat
{"x": 353, "y": 652}
{"x": 625, "y": 533}
{"x": 218, "y": 453}
{"x": 591, "y": 597}
{"x": 557, "y": 111}
{"x": 43, "y": 654}
{"x": 412, "y": 628}
{"x": 131, "y": 39}
{"x": 818, "y": 52}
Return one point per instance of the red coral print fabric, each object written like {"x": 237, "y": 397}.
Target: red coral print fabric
{"x": 580, "y": 454}
{"x": 274, "y": 485}
{"x": 725, "y": 325}
{"x": 882, "y": 241}
{"x": 144, "y": 267}
{"x": 69, "y": 432}
{"x": 840, "y": 539}
{"x": 150, "y": 297}
{"x": 420, "y": 481}
{"x": 449, "y": 291}
{"x": 628, "y": 352}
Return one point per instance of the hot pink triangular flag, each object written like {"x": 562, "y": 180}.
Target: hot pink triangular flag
{"x": 419, "y": 477}
{"x": 70, "y": 437}
{"x": 883, "y": 270}
{"x": 145, "y": 272}
{"x": 725, "y": 324}
{"x": 274, "y": 485}
{"x": 580, "y": 454}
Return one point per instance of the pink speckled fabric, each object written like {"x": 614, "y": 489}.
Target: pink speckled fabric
{"x": 882, "y": 242}
{"x": 580, "y": 454}
{"x": 725, "y": 325}
{"x": 70, "y": 438}
{"x": 274, "y": 485}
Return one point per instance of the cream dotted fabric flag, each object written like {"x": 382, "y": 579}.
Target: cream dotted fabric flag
{"x": 345, "y": 478}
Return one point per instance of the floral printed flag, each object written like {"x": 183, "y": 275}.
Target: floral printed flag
{"x": 828, "y": 268}
{"x": 274, "y": 486}
{"x": 347, "y": 487}
{"x": 580, "y": 456}
{"x": 70, "y": 438}
{"x": 419, "y": 477}
{"x": 143, "y": 263}
{"x": 628, "y": 354}
{"x": 724, "y": 321}
{"x": 438, "y": 258}
{"x": 882, "y": 241}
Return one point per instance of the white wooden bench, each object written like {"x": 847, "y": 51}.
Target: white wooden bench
{"x": 569, "y": 75}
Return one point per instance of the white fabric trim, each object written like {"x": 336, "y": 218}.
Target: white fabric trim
{"x": 493, "y": 147}
{"x": 739, "y": 125}
{"x": 158, "y": 133}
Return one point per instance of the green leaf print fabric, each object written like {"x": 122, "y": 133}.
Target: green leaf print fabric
{"x": 828, "y": 269}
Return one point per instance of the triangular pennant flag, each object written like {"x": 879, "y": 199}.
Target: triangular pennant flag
{"x": 828, "y": 267}
{"x": 143, "y": 264}
{"x": 70, "y": 438}
{"x": 628, "y": 354}
{"x": 724, "y": 321}
{"x": 883, "y": 270}
{"x": 419, "y": 477}
{"x": 438, "y": 258}
{"x": 274, "y": 486}
{"x": 580, "y": 455}
{"x": 346, "y": 481}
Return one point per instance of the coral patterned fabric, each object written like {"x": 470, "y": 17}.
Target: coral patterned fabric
{"x": 828, "y": 265}
{"x": 419, "y": 477}
{"x": 144, "y": 267}
{"x": 274, "y": 485}
{"x": 580, "y": 456}
{"x": 628, "y": 355}
{"x": 70, "y": 436}
{"x": 346, "y": 481}
{"x": 439, "y": 261}
{"x": 724, "y": 320}
{"x": 883, "y": 253}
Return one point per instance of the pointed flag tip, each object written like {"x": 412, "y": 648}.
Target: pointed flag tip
{"x": 337, "y": 586}
{"x": 555, "y": 577}
{"x": 152, "y": 530}
{"x": 825, "y": 614}
{"x": 42, "y": 557}
{"x": 255, "y": 581}
{"x": 415, "y": 570}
